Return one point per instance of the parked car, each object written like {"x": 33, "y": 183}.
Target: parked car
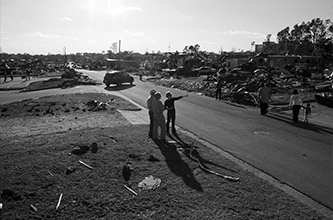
{"x": 118, "y": 78}
{"x": 205, "y": 70}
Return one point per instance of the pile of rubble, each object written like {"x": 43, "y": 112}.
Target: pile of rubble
{"x": 241, "y": 87}
{"x": 70, "y": 78}
{"x": 75, "y": 78}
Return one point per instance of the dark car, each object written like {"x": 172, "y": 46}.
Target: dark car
{"x": 205, "y": 70}
{"x": 118, "y": 78}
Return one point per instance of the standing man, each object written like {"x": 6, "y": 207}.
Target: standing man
{"x": 5, "y": 76}
{"x": 150, "y": 100}
{"x": 218, "y": 90}
{"x": 264, "y": 95}
{"x": 169, "y": 105}
{"x": 295, "y": 103}
{"x": 28, "y": 71}
{"x": 159, "y": 120}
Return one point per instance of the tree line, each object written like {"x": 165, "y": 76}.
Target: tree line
{"x": 314, "y": 38}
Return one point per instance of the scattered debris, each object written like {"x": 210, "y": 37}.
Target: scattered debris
{"x": 112, "y": 138}
{"x": 49, "y": 173}
{"x": 241, "y": 86}
{"x": 149, "y": 183}
{"x": 59, "y": 201}
{"x": 131, "y": 190}
{"x": 79, "y": 150}
{"x": 86, "y": 165}
{"x": 134, "y": 156}
{"x": 33, "y": 207}
{"x": 94, "y": 147}
{"x": 94, "y": 105}
{"x": 127, "y": 172}
{"x": 152, "y": 158}
{"x": 70, "y": 170}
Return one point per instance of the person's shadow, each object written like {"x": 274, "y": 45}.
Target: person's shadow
{"x": 177, "y": 165}
{"x": 307, "y": 126}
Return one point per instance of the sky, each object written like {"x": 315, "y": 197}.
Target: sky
{"x": 92, "y": 26}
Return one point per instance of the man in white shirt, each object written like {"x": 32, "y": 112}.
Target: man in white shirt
{"x": 295, "y": 103}
{"x": 159, "y": 119}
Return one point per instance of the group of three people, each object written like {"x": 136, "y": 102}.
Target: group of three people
{"x": 156, "y": 109}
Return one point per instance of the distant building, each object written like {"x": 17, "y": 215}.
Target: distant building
{"x": 258, "y": 48}
{"x": 283, "y": 61}
{"x": 280, "y": 61}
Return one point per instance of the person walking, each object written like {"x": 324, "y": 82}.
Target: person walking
{"x": 295, "y": 103}
{"x": 264, "y": 95}
{"x": 5, "y": 77}
{"x": 218, "y": 90}
{"x": 307, "y": 112}
{"x": 169, "y": 105}
{"x": 159, "y": 120}
{"x": 28, "y": 72}
{"x": 11, "y": 75}
{"x": 150, "y": 100}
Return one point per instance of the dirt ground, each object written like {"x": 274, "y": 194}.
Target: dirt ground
{"x": 43, "y": 140}
{"x": 60, "y": 113}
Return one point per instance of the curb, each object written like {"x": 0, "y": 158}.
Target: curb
{"x": 12, "y": 89}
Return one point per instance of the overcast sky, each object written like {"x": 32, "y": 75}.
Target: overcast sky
{"x": 47, "y": 26}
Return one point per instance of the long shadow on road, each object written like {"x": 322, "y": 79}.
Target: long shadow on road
{"x": 308, "y": 126}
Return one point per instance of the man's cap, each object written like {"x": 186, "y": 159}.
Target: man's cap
{"x": 153, "y": 91}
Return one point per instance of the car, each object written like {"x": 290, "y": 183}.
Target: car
{"x": 205, "y": 70}
{"x": 118, "y": 78}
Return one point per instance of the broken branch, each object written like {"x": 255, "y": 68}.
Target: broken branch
{"x": 33, "y": 207}
{"x": 131, "y": 190}
{"x": 86, "y": 165}
{"x": 59, "y": 201}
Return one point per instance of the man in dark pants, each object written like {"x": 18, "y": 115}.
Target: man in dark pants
{"x": 169, "y": 105}
{"x": 218, "y": 90}
{"x": 150, "y": 100}
{"x": 264, "y": 95}
{"x": 296, "y": 103}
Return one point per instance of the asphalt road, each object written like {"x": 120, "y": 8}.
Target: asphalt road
{"x": 299, "y": 155}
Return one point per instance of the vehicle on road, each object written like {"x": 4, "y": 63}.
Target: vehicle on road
{"x": 118, "y": 78}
